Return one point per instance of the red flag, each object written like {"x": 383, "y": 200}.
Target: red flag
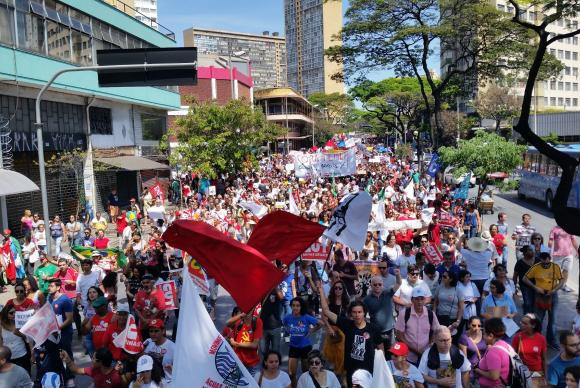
{"x": 242, "y": 270}
{"x": 157, "y": 191}
{"x": 284, "y": 236}
{"x": 130, "y": 338}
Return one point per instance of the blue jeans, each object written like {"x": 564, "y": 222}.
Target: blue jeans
{"x": 551, "y": 329}
{"x": 527, "y": 298}
{"x": 88, "y": 342}
{"x": 504, "y": 256}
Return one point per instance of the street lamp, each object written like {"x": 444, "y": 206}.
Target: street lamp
{"x": 236, "y": 54}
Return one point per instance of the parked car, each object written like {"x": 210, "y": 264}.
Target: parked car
{"x": 449, "y": 178}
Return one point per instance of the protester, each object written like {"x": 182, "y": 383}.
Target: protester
{"x": 148, "y": 374}
{"x": 162, "y": 347}
{"x": 362, "y": 378}
{"x": 404, "y": 373}
{"x": 13, "y": 339}
{"x": 97, "y": 325}
{"x": 494, "y": 367}
{"x": 472, "y": 344}
{"x": 522, "y": 234}
{"x": 497, "y": 304}
{"x": 531, "y": 345}
{"x": 402, "y": 297}
{"x": 271, "y": 316}
{"x": 477, "y": 258}
{"x": 12, "y": 375}
{"x": 346, "y": 270}
{"x": 271, "y": 376}
{"x": 20, "y": 302}
{"x": 564, "y": 248}
{"x": 317, "y": 376}
{"x": 470, "y": 294}
{"x": 149, "y": 304}
{"x": 448, "y": 302}
{"x": 117, "y": 325}
{"x": 572, "y": 376}
{"x": 569, "y": 356}
{"x": 63, "y": 308}
{"x": 521, "y": 268}
{"x": 57, "y": 234}
{"x": 500, "y": 274}
{"x": 333, "y": 349}
{"x": 44, "y": 273}
{"x": 380, "y": 306}
{"x": 102, "y": 371}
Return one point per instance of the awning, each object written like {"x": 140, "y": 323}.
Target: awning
{"x": 133, "y": 163}
{"x": 12, "y": 182}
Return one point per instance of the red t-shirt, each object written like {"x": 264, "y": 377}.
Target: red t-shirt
{"x": 112, "y": 331}
{"x": 102, "y": 243}
{"x": 100, "y": 325}
{"x": 121, "y": 223}
{"x": 26, "y": 305}
{"x": 248, "y": 357}
{"x": 531, "y": 350}
{"x": 498, "y": 240}
{"x": 69, "y": 290}
{"x": 144, "y": 302}
{"x": 113, "y": 379}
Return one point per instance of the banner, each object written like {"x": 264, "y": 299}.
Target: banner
{"x": 211, "y": 190}
{"x": 157, "y": 191}
{"x": 447, "y": 219}
{"x": 366, "y": 270}
{"x": 434, "y": 165}
{"x": 129, "y": 339}
{"x": 336, "y": 163}
{"x": 292, "y": 207}
{"x": 432, "y": 254}
{"x": 316, "y": 251}
{"x": 382, "y": 376}
{"x": 41, "y": 325}
{"x": 395, "y": 225}
{"x": 170, "y": 292}
{"x": 203, "y": 358}
{"x": 255, "y": 208}
{"x": 350, "y": 219}
{"x": 21, "y": 317}
{"x": 198, "y": 277}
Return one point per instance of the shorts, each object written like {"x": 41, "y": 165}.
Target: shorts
{"x": 301, "y": 353}
{"x": 563, "y": 261}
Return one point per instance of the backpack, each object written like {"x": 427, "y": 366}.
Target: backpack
{"x": 519, "y": 375}
{"x": 429, "y": 315}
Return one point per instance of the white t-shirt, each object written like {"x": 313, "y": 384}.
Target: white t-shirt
{"x": 84, "y": 282}
{"x": 152, "y": 384}
{"x": 392, "y": 253}
{"x": 406, "y": 289}
{"x": 402, "y": 380}
{"x": 282, "y": 381}
{"x": 305, "y": 381}
{"x": 477, "y": 263}
{"x": 469, "y": 292}
{"x": 445, "y": 369}
{"x": 166, "y": 350}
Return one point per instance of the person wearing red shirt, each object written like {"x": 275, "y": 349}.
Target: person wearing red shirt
{"x": 68, "y": 278}
{"x": 121, "y": 222}
{"x": 149, "y": 304}
{"x": 101, "y": 242}
{"x": 531, "y": 345}
{"x": 99, "y": 323}
{"x": 104, "y": 375}
{"x": 245, "y": 339}
{"x": 21, "y": 302}
{"x": 116, "y": 326}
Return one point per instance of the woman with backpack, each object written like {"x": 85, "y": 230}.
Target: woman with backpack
{"x": 531, "y": 346}
{"x": 494, "y": 367}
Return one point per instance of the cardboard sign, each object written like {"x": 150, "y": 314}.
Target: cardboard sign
{"x": 21, "y": 317}
{"x": 316, "y": 251}
{"x": 211, "y": 190}
{"x": 130, "y": 338}
{"x": 432, "y": 254}
{"x": 170, "y": 291}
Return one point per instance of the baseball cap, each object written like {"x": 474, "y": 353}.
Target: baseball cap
{"x": 123, "y": 308}
{"x": 100, "y": 301}
{"x": 156, "y": 324}
{"x": 50, "y": 380}
{"x": 144, "y": 364}
{"x": 399, "y": 349}
{"x": 362, "y": 377}
{"x": 419, "y": 292}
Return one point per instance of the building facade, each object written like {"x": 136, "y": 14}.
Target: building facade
{"x": 266, "y": 53}
{"x": 40, "y": 38}
{"x": 310, "y": 27}
{"x": 290, "y": 110}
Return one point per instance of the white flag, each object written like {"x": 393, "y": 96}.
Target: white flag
{"x": 382, "y": 376}
{"x": 41, "y": 325}
{"x": 203, "y": 358}
{"x": 256, "y": 209}
{"x": 350, "y": 220}
{"x": 410, "y": 190}
{"x": 292, "y": 204}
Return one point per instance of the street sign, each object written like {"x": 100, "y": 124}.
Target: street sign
{"x": 186, "y": 75}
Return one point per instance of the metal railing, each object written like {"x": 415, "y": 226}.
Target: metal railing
{"x": 145, "y": 19}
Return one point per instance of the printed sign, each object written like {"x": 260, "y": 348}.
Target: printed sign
{"x": 432, "y": 254}
{"x": 21, "y": 317}
{"x": 316, "y": 251}
{"x": 170, "y": 292}
{"x": 366, "y": 270}
{"x": 447, "y": 219}
{"x": 211, "y": 190}
{"x": 157, "y": 191}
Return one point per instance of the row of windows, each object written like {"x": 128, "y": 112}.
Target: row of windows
{"x": 534, "y": 16}
{"x": 564, "y": 86}
{"x": 541, "y": 164}
{"x": 573, "y": 40}
{"x": 564, "y": 54}
{"x": 54, "y": 29}
{"x": 560, "y": 101}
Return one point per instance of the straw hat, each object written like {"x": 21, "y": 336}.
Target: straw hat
{"x": 477, "y": 244}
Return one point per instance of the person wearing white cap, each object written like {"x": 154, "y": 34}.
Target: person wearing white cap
{"x": 147, "y": 375}
{"x": 362, "y": 379}
{"x": 415, "y": 325}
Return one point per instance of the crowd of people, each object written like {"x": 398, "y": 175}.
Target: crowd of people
{"x": 441, "y": 299}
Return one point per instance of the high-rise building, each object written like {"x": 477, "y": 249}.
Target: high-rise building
{"x": 266, "y": 53}
{"x": 310, "y": 29}
{"x": 146, "y": 11}
{"x": 561, "y": 93}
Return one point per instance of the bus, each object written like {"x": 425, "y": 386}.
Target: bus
{"x": 540, "y": 176}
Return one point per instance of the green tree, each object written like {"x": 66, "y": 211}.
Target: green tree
{"x": 550, "y": 12}
{"x": 214, "y": 139}
{"x": 498, "y": 104}
{"x": 404, "y": 35}
{"x": 336, "y": 107}
{"x": 395, "y": 103}
{"x": 474, "y": 156}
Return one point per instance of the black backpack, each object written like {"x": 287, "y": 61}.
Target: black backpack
{"x": 519, "y": 375}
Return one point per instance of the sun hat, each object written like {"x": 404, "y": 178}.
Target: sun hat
{"x": 477, "y": 244}
{"x": 486, "y": 235}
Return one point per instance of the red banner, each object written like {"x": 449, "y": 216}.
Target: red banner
{"x": 130, "y": 338}
{"x": 432, "y": 254}
{"x": 170, "y": 291}
{"x": 447, "y": 219}
{"x": 316, "y": 251}
{"x": 157, "y": 191}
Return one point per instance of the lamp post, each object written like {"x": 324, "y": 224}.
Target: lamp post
{"x": 236, "y": 54}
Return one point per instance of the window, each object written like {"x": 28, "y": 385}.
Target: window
{"x": 553, "y": 52}
{"x": 553, "y": 85}
{"x": 574, "y": 86}
{"x": 574, "y": 102}
{"x": 6, "y": 24}
{"x": 553, "y": 101}
{"x": 546, "y": 101}
{"x": 58, "y": 38}
{"x": 567, "y": 55}
{"x": 568, "y": 87}
{"x": 575, "y": 71}
{"x": 560, "y": 54}
{"x": 574, "y": 56}
{"x": 542, "y": 164}
{"x": 30, "y": 32}
{"x": 575, "y": 40}
{"x": 82, "y": 49}
{"x": 568, "y": 102}
{"x": 560, "y": 85}
{"x": 501, "y": 7}
{"x": 153, "y": 127}
{"x": 533, "y": 16}
{"x": 567, "y": 70}
{"x": 510, "y": 9}
{"x": 560, "y": 101}
{"x": 101, "y": 121}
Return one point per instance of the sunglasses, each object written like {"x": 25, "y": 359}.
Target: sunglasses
{"x": 414, "y": 274}
{"x": 19, "y": 291}
{"x": 536, "y": 239}
{"x": 472, "y": 325}
{"x": 315, "y": 362}
{"x": 338, "y": 288}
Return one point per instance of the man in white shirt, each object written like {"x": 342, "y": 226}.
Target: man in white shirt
{"x": 164, "y": 348}
{"x": 402, "y": 297}
{"x": 86, "y": 280}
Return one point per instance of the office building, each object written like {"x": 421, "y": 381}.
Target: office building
{"x": 265, "y": 53}
{"x": 118, "y": 127}
{"x": 310, "y": 27}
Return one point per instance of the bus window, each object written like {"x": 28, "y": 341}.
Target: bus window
{"x": 553, "y": 168}
{"x": 543, "y": 162}
{"x": 527, "y": 161}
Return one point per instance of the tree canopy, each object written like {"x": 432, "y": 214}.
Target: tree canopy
{"x": 214, "y": 139}
{"x": 498, "y": 104}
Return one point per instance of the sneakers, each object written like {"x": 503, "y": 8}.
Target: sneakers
{"x": 567, "y": 289}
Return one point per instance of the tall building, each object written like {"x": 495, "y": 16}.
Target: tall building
{"x": 266, "y": 53}
{"x": 561, "y": 93}
{"x": 310, "y": 27}
{"x": 146, "y": 11}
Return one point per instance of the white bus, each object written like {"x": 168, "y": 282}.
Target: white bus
{"x": 540, "y": 176}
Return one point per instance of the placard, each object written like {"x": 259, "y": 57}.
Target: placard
{"x": 21, "y": 317}
{"x": 211, "y": 190}
{"x": 316, "y": 251}
{"x": 170, "y": 292}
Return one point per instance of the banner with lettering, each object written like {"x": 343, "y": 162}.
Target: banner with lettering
{"x": 326, "y": 164}
{"x": 21, "y": 317}
{"x": 157, "y": 191}
{"x": 432, "y": 254}
{"x": 170, "y": 292}
{"x": 316, "y": 251}
{"x": 198, "y": 276}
